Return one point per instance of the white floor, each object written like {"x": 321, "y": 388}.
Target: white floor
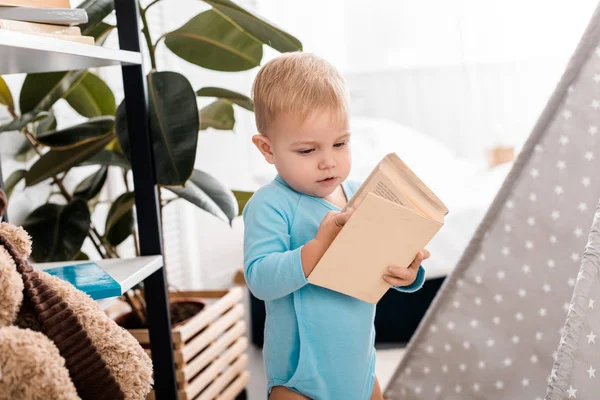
{"x": 387, "y": 361}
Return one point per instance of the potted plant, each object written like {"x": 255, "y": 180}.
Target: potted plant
{"x": 225, "y": 37}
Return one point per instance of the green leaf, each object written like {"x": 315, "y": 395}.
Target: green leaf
{"x": 242, "y": 199}
{"x": 120, "y": 221}
{"x": 45, "y": 122}
{"x": 91, "y": 186}
{"x": 19, "y": 123}
{"x": 100, "y": 32}
{"x": 209, "y": 194}
{"x": 258, "y": 27}
{"x": 57, "y": 161}
{"x": 41, "y": 91}
{"x": 92, "y": 97}
{"x": 13, "y": 180}
{"x": 217, "y": 115}
{"x": 234, "y": 97}
{"x": 81, "y": 256}
{"x": 5, "y": 95}
{"x": 174, "y": 126}
{"x": 25, "y": 154}
{"x": 76, "y": 135}
{"x": 96, "y": 10}
{"x": 58, "y": 231}
{"x": 211, "y": 41}
{"x": 108, "y": 157}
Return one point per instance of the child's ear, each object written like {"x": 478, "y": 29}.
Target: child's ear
{"x": 263, "y": 144}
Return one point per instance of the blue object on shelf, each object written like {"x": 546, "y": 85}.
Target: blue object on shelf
{"x": 90, "y": 278}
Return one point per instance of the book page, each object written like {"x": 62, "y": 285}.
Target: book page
{"x": 384, "y": 191}
{"x": 381, "y": 185}
{"x": 394, "y": 181}
{"x": 406, "y": 181}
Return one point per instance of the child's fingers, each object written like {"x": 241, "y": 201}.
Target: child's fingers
{"x": 395, "y": 281}
{"x": 401, "y": 272}
{"x": 426, "y": 254}
{"x": 417, "y": 261}
{"x": 340, "y": 219}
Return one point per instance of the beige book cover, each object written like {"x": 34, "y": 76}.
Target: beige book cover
{"x": 396, "y": 215}
{"x": 37, "y": 3}
{"x": 34, "y": 27}
{"x": 72, "y": 38}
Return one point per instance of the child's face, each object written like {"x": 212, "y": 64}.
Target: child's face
{"x": 311, "y": 155}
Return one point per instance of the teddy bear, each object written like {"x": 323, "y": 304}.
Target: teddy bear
{"x": 55, "y": 341}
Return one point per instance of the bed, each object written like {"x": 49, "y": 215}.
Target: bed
{"x": 466, "y": 187}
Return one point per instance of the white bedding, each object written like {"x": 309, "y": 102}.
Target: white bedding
{"x": 465, "y": 187}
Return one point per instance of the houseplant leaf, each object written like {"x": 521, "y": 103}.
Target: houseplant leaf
{"x": 56, "y": 161}
{"x": 211, "y": 41}
{"x": 13, "y": 180}
{"x": 92, "y": 97}
{"x": 108, "y": 157}
{"x": 100, "y": 32}
{"x": 209, "y": 194}
{"x": 81, "y": 256}
{"x": 76, "y": 135}
{"x": 234, "y": 97}
{"x": 58, "y": 231}
{"x": 173, "y": 127}
{"x": 217, "y": 115}
{"x": 96, "y": 10}
{"x": 91, "y": 186}
{"x": 257, "y": 26}
{"x": 45, "y": 122}
{"x": 242, "y": 198}
{"x": 5, "y": 95}
{"x": 120, "y": 221}
{"x": 41, "y": 91}
{"x": 19, "y": 123}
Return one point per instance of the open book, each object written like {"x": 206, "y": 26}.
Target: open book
{"x": 395, "y": 216}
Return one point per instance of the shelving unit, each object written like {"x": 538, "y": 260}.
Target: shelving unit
{"x": 128, "y": 272}
{"x": 23, "y": 53}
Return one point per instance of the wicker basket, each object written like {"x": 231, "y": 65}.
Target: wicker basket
{"x": 210, "y": 358}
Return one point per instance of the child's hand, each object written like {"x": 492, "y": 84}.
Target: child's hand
{"x": 402, "y": 276}
{"x": 331, "y": 225}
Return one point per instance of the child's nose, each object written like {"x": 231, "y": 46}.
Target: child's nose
{"x": 327, "y": 162}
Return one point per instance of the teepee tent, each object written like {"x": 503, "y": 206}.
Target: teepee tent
{"x": 494, "y": 327}
{"x": 578, "y": 357}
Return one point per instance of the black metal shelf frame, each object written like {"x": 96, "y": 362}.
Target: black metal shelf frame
{"x": 146, "y": 201}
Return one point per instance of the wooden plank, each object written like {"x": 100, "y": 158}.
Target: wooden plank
{"x": 211, "y": 353}
{"x": 236, "y": 387}
{"x": 212, "y": 312}
{"x": 214, "y": 369}
{"x": 143, "y": 336}
{"x": 193, "y": 347}
{"x": 225, "y": 378}
{"x": 200, "y": 293}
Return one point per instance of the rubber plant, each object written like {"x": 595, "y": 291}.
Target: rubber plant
{"x": 225, "y": 37}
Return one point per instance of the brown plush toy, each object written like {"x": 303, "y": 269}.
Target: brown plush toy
{"x": 55, "y": 342}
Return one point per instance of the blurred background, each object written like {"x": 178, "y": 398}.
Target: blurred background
{"x": 453, "y": 87}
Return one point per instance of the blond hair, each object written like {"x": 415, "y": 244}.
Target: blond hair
{"x": 298, "y": 83}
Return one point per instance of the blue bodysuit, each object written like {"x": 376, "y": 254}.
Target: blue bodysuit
{"x": 318, "y": 342}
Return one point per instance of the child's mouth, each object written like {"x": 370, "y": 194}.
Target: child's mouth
{"x": 327, "y": 180}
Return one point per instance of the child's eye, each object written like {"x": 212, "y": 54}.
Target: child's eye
{"x": 306, "y": 151}
{"x": 339, "y": 144}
